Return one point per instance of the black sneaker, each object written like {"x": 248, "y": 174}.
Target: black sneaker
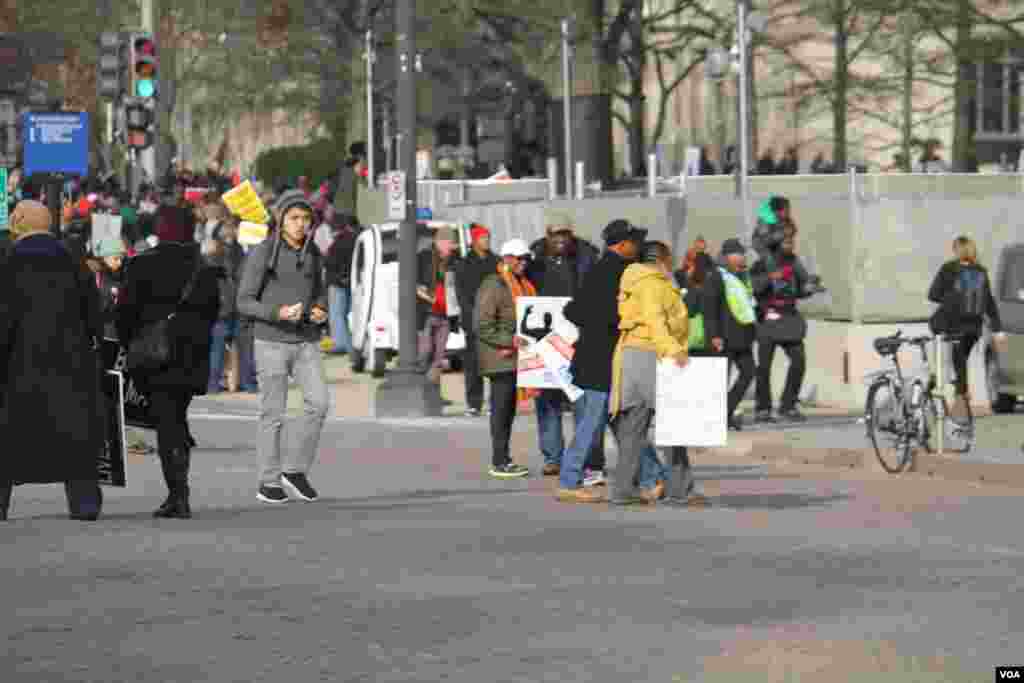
{"x": 735, "y": 424}
{"x": 473, "y": 412}
{"x": 298, "y": 486}
{"x": 765, "y": 417}
{"x": 274, "y": 495}
{"x": 792, "y": 415}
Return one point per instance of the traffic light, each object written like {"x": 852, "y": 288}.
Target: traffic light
{"x": 138, "y": 123}
{"x": 143, "y": 66}
{"x": 109, "y": 67}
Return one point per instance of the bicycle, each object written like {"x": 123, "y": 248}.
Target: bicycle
{"x": 902, "y": 411}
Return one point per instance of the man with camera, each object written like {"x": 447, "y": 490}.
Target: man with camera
{"x": 283, "y": 291}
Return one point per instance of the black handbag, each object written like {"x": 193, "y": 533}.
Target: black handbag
{"x": 153, "y": 347}
{"x": 788, "y": 328}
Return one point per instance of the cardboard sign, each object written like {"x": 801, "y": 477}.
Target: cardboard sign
{"x": 251, "y": 234}
{"x": 105, "y": 226}
{"x": 691, "y": 403}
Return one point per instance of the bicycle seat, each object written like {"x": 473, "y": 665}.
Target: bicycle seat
{"x": 888, "y": 346}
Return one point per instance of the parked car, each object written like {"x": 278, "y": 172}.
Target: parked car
{"x": 1004, "y": 372}
{"x": 374, "y": 316}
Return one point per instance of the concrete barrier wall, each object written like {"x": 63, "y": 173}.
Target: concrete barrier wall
{"x": 664, "y": 217}
{"x": 839, "y": 355}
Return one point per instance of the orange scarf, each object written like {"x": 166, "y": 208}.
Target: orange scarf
{"x": 519, "y": 286}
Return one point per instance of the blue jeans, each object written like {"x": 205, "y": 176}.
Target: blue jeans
{"x": 652, "y": 470}
{"x": 549, "y": 425}
{"x": 339, "y": 303}
{"x": 222, "y": 331}
{"x": 591, "y": 421}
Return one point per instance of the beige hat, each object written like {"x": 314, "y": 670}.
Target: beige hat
{"x": 29, "y": 217}
{"x": 445, "y": 234}
{"x": 559, "y": 220}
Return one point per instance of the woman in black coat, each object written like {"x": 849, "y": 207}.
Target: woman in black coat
{"x": 51, "y": 424}
{"x": 152, "y": 288}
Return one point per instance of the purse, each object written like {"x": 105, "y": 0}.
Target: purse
{"x": 152, "y": 348}
{"x": 787, "y": 328}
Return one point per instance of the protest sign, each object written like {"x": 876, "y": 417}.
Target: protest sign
{"x": 690, "y": 403}
{"x": 250, "y": 234}
{"x": 541, "y": 319}
{"x": 105, "y": 226}
{"x": 246, "y": 204}
{"x": 138, "y": 411}
{"x": 111, "y": 462}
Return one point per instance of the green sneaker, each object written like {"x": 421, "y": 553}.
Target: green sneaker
{"x": 509, "y": 471}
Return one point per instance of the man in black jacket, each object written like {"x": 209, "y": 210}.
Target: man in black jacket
{"x": 729, "y": 320}
{"x": 478, "y": 264}
{"x": 595, "y": 311}
{"x": 560, "y": 262}
{"x": 777, "y": 292}
{"x": 338, "y": 265}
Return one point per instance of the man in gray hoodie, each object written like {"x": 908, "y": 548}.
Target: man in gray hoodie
{"x": 283, "y": 291}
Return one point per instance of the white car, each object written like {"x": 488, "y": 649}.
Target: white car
{"x": 374, "y": 316}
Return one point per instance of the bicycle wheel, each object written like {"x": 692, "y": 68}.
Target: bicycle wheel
{"x": 887, "y": 425}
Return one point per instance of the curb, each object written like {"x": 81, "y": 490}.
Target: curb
{"x": 925, "y": 465}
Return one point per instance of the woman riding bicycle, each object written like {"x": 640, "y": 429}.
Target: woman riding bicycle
{"x": 964, "y": 294}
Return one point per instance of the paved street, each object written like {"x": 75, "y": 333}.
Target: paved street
{"x": 415, "y": 567}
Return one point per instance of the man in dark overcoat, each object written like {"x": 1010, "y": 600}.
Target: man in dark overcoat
{"x": 51, "y": 423}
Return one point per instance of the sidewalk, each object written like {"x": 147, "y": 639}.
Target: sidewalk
{"x": 353, "y": 396}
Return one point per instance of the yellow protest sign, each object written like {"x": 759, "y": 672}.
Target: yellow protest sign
{"x": 245, "y": 203}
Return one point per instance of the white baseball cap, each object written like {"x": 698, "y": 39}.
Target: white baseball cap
{"x": 515, "y": 247}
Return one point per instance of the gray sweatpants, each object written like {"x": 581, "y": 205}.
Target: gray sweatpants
{"x": 275, "y": 363}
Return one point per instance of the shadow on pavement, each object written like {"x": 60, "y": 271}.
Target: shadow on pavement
{"x": 774, "y": 501}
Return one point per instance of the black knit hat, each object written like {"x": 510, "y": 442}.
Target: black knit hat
{"x": 291, "y": 199}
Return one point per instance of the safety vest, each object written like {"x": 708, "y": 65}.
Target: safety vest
{"x": 739, "y": 295}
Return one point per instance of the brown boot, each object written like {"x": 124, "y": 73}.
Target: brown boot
{"x": 552, "y": 470}
{"x": 580, "y": 495}
{"x": 653, "y": 495}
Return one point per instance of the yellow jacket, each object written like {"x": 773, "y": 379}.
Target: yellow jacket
{"x": 652, "y": 317}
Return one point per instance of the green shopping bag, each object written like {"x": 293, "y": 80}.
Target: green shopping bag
{"x": 696, "y": 339}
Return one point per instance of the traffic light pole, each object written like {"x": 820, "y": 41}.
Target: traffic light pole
{"x": 147, "y": 157}
{"x": 407, "y": 392}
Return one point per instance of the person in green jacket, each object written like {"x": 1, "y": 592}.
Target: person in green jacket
{"x": 494, "y": 320}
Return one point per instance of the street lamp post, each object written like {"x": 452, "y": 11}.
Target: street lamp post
{"x": 371, "y": 57}
{"x": 567, "y": 102}
{"x": 407, "y": 392}
{"x": 744, "y": 127}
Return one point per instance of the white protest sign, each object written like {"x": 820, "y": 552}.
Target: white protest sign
{"x": 537, "y": 317}
{"x": 691, "y": 402}
{"x": 105, "y": 226}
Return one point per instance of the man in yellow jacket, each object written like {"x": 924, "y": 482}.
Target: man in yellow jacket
{"x": 654, "y": 326}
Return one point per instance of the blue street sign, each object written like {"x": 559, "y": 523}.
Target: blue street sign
{"x": 424, "y": 214}
{"x": 56, "y": 142}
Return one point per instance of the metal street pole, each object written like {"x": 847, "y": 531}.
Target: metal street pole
{"x": 406, "y": 48}
{"x": 567, "y": 103}
{"x": 744, "y": 122}
{"x": 371, "y": 56}
{"x": 407, "y": 392}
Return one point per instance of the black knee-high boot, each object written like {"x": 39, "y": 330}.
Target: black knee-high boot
{"x": 175, "y": 464}
{"x": 5, "y": 500}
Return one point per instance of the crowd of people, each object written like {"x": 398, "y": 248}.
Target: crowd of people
{"x": 631, "y": 309}
{"x": 182, "y": 295}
